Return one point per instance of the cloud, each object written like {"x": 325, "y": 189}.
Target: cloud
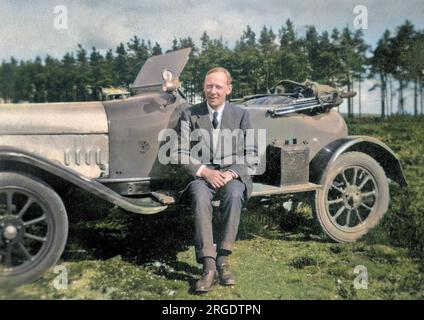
{"x": 27, "y": 26}
{"x": 27, "y": 30}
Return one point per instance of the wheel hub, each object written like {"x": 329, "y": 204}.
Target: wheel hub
{"x": 352, "y": 197}
{"x": 11, "y": 230}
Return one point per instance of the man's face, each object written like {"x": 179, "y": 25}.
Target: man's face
{"x": 216, "y": 88}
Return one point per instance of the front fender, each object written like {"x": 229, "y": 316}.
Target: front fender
{"x": 369, "y": 145}
{"x": 15, "y": 159}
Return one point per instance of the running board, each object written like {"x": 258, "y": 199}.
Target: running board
{"x": 260, "y": 189}
{"x": 164, "y": 199}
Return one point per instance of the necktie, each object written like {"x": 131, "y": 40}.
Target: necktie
{"x": 215, "y": 120}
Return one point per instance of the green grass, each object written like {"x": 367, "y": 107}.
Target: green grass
{"x": 266, "y": 268}
{"x": 279, "y": 255}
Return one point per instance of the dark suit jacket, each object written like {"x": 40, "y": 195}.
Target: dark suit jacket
{"x": 235, "y": 120}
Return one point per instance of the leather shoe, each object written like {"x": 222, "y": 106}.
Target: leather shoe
{"x": 226, "y": 277}
{"x": 206, "y": 282}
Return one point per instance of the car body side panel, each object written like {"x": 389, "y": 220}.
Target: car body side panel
{"x": 134, "y": 127}
{"x": 53, "y": 118}
{"x": 313, "y": 131}
{"x": 86, "y": 154}
{"x": 74, "y": 135}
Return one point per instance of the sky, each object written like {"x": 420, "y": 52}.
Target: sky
{"x": 29, "y": 28}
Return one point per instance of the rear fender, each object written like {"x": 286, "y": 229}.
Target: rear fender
{"x": 368, "y": 145}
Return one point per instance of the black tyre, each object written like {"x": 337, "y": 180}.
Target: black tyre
{"x": 354, "y": 197}
{"x": 33, "y": 228}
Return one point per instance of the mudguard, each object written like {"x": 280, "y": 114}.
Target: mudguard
{"x": 17, "y": 160}
{"x": 371, "y": 146}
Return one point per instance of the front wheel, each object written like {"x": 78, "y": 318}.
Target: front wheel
{"x": 33, "y": 228}
{"x": 354, "y": 197}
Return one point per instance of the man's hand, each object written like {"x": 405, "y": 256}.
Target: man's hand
{"x": 216, "y": 179}
{"x": 228, "y": 176}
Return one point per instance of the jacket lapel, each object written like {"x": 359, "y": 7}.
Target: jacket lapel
{"x": 227, "y": 121}
{"x": 204, "y": 122}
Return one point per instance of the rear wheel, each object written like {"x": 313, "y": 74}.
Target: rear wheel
{"x": 33, "y": 228}
{"x": 354, "y": 197}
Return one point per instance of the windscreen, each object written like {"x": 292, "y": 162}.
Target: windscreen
{"x": 151, "y": 72}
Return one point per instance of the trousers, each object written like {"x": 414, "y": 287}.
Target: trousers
{"x": 231, "y": 197}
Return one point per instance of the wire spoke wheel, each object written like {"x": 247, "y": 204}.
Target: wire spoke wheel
{"x": 354, "y": 197}
{"x": 33, "y": 228}
{"x": 351, "y": 198}
{"x": 24, "y": 228}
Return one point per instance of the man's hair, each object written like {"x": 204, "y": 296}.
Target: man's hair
{"x": 221, "y": 69}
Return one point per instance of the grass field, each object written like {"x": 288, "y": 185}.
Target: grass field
{"x": 279, "y": 254}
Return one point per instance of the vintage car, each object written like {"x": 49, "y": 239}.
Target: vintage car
{"x": 110, "y": 149}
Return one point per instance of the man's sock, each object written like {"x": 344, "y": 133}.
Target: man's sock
{"x": 209, "y": 264}
{"x": 222, "y": 257}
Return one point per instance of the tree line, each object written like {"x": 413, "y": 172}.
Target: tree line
{"x": 257, "y": 62}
